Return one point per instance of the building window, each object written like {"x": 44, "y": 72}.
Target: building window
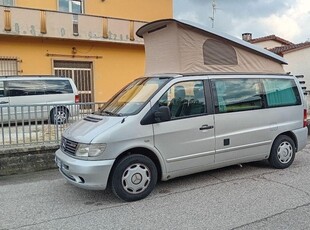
{"x": 7, "y": 2}
{"x": 72, "y": 6}
{"x": 8, "y": 66}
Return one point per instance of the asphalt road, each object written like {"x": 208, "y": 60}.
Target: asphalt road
{"x": 254, "y": 196}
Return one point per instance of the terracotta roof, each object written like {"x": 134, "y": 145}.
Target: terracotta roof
{"x": 280, "y": 50}
{"x": 271, "y": 37}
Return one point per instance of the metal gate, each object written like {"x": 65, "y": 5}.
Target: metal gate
{"x": 81, "y": 73}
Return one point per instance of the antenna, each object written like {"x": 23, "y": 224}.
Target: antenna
{"x": 213, "y": 13}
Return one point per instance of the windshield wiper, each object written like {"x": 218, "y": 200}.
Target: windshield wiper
{"x": 110, "y": 113}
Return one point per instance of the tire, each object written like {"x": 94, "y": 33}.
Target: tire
{"x": 59, "y": 115}
{"x": 282, "y": 152}
{"x": 134, "y": 177}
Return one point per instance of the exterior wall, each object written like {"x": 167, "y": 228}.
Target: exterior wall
{"x": 37, "y": 4}
{"x": 120, "y": 63}
{"x": 268, "y": 44}
{"x": 143, "y": 10}
{"x": 298, "y": 64}
{"x": 120, "y": 54}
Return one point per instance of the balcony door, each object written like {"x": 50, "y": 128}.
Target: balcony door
{"x": 72, "y": 6}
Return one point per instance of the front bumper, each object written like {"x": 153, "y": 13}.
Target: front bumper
{"x": 85, "y": 174}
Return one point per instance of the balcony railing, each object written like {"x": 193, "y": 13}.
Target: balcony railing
{"x": 53, "y": 24}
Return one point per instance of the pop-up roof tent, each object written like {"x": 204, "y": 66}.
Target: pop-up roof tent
{"x": 172, "y": 46}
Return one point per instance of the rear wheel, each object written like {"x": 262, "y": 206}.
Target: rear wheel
{"x": 59, "y": 115}
{"x": 134, "y": 177}
{"x": 282, "y": 152}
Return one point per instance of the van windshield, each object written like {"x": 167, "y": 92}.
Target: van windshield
{"x": 131, "y": 99}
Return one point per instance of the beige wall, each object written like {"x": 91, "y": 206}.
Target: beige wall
{"x": 268, "y": 44}
{"x": 299, "y": 64}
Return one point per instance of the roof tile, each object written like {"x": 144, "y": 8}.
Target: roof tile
{"x": 280, "y": 50}
{"x": 271, "y": 37}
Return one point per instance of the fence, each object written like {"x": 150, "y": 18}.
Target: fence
{"x": 29, "y": 125}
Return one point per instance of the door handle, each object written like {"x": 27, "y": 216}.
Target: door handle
{"x": 4, "y": 102}
{"x": 206, "y": 127}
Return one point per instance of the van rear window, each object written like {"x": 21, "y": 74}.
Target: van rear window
{"x": 233, "y": 95}
{"x": 57, "y": 87}
{"x": 281, "y": 92}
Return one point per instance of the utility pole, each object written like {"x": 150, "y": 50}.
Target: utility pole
{"x": 213, "y": 13}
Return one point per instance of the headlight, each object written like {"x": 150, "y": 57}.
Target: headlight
{"x": 90, "y": 150}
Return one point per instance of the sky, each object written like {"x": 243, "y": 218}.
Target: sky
{"x": 288, "y": 19}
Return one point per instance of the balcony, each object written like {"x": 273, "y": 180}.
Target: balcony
{"x": 18, "y": 21}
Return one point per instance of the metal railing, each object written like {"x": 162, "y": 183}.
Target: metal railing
{"x": 29, "y": 125}
{"x": 21, "y": 21}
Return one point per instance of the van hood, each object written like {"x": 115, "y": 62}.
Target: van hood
{"x": 84, "y": 131}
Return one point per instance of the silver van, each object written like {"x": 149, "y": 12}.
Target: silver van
{"x": 166, "y": 126}
{"x": 37, "y": 98}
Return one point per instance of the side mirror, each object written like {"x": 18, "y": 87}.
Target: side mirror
{"x": 162, "y": 114}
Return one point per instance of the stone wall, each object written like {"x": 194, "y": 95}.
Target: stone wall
{"x": 27, "y": 159}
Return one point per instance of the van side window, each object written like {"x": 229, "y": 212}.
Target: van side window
{"x": 38, "y": 87}
{"x": 281, "y": 92}
{"x": 185, "y": 99}
{"x": 1, "y": 89}
{"x": 235, "y": 95}
{"x": 57, "y": 87}
{"x": 25, "y": 88}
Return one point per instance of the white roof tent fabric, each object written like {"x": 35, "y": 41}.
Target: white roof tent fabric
{"x": 172, "y": 46}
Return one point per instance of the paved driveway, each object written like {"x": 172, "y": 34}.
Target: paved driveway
{"x": 254, "y": 196}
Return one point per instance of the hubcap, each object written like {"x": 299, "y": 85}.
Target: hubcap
{"x": 285, "y": 152}
{"x": 136, "y": 178}
{"x": 61, "y": 116}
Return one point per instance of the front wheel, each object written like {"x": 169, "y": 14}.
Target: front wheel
{"x": 134, "y": 177}
{"x": 282, "y": 152}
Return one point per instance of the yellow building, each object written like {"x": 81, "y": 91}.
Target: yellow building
{"x": 91, "y": 41}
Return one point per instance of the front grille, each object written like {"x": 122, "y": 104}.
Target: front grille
{"x": 68, "y": 146}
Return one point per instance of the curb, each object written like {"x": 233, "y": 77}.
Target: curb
{"x": 27, "y": 159}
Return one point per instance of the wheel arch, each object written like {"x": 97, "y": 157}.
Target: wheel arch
{"x": 142, "y": 151}
{"x": 291, "y": 135}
